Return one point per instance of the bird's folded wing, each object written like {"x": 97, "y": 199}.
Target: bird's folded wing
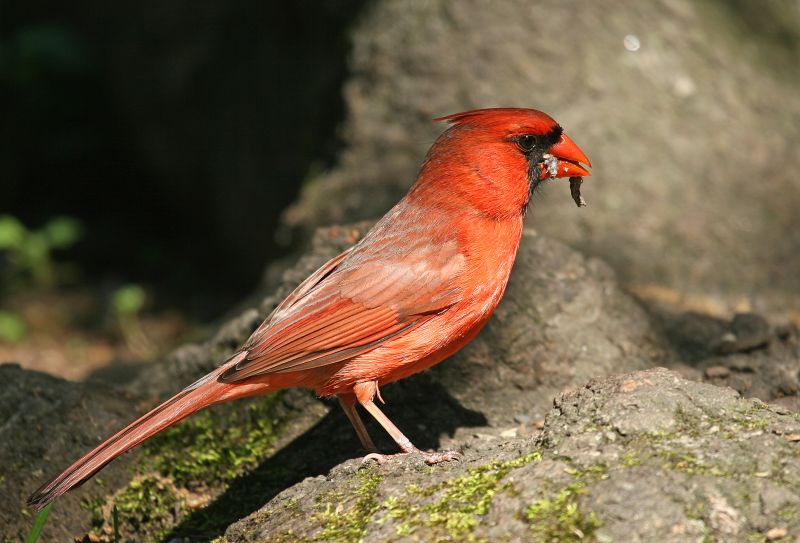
{"x": 344, "y": 310}
{"x": 305, "y": 287}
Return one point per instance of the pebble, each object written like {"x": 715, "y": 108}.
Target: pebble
{"x": 511, "y": 432}
{"x": 717, "y": 372}
{"x": 776, "y": 533}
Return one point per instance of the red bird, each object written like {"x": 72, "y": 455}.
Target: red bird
{"x": 417, "y": 288}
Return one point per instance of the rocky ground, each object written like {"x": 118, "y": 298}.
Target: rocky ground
{"x": 643, "y": 456}
{"x": 696, "y": 459}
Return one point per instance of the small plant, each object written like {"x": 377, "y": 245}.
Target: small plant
{"x": 560, "y": 519}
{"x": 127, "y": 302}
{"x": 115, "y": 523}
{"x": 29, "y": 253}
{"x": 12, "y": 327}
{"x": 38, "y": 524}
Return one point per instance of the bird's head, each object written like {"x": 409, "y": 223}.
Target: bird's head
{"x": 498, "y": 156}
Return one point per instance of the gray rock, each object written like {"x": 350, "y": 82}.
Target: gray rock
{"x": 688, "y": 461}
{"x": 44, "y": 423}
{"x": 558, "y": 325}
{"x": 564, "y": 320}
{"x": 748, "y": 331}
{"x": 693, "y": 163}
{"x": 757, "y": 361}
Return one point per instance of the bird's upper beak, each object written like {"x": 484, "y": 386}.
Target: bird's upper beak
{"x": 568, "y": 160}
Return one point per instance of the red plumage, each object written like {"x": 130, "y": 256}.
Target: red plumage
{"x": 417, "y": 288}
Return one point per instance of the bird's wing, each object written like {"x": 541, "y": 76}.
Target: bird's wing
{"x": 352, "y": 305}
{"x": 305, "y": 287}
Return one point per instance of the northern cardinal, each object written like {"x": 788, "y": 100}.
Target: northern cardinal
{"x": 418, "y": 287}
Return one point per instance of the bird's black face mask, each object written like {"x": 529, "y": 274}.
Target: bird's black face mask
{"x": 535, "y": 148}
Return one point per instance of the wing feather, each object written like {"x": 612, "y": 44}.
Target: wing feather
{"x": 307, "y": 285}
{"x": 353, "y": 303}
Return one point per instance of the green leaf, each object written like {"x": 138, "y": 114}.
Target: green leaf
{"x": 62, "y": 232}
{"x": 12, "y": 327}
{"x": 128, "y": 299}
{"x": 12, "y": 232}
{"x": 115, "y": 521}
{"x": 35, "y": 256}
{"x": 38, "y": 524}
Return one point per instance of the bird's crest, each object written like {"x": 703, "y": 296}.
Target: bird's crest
{"x": 531, "y": 119}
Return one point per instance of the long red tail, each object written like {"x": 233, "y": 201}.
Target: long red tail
{"x": 205, "y": 392}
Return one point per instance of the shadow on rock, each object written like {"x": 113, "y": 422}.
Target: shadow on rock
{"x": 642, "y": 456}
{"x": 421, "y": 407}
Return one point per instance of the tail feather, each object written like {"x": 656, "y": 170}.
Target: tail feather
{"x": 168, "y": 413}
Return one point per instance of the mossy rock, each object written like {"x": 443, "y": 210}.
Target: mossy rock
{"x": 646, "y": 456}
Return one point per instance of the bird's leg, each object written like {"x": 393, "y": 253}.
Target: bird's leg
{"x": 364, "y": 392}
{"x": 348, "y": 403}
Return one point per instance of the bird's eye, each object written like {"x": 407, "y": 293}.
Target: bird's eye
{"x": 527, "y": 142}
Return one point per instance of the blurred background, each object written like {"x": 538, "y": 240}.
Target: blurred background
{"x": 146, "y": 153}
{"x": 156, "y": 157}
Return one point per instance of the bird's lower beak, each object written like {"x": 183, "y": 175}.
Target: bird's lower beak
{"x": 564, "y": 159}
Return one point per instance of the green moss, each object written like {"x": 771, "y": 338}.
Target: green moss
{"x": 630, "y": 459}
{"x": 754, "y": 416}
{"x": 215, "y": 446}
{"x": 591, "y": 473}
{"x": 349, "y": 526}
{"x": 687, "y": 462}
{"x": 95, "y": 508}
{"x": 560, "y": 518}
{"x": 199, "y": 456}
{"x": 262, "y": 516}
{"x": 698, "y": 513}
{"x": 669, "y": 454}
{"x": 789, "y": 513}
{"x": 457, "y": 504}
{"x": 671, "y": 451}
{"x": 149, "y": 504}
{"x": 557, "y": 517}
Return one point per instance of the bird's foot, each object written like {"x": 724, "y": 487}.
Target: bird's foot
{"x": 437, "y": 457}
{"x": 431, "y": 458}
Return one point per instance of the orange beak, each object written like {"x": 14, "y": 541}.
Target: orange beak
{"x": 568, "y": 160}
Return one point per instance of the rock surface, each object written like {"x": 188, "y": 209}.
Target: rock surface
{"x": 44, "y": 423}
{"x": 693, "y": 163}
{"x": 645, "y": 456}
{"x": 564, "y": 320}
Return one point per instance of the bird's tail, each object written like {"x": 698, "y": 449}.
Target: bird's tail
{"x": 207, "y": 391}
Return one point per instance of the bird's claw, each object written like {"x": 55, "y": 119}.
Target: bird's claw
{"x": 431, "y": 458}
{"x": 377, "y": 457}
